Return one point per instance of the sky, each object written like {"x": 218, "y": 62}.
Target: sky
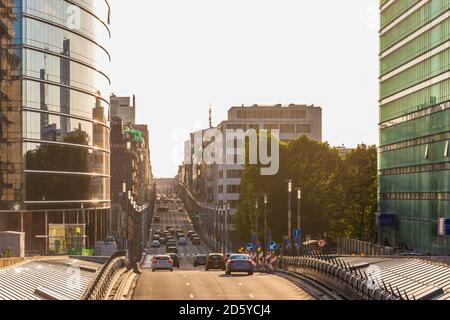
{"x": 179, "y": 57}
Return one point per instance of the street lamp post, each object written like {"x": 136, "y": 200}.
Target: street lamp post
{"x": 290, "y": 211}
{"x": 266, "y": 245}
{"x": 299, "y": 226}
{"x": 256, "y": 219}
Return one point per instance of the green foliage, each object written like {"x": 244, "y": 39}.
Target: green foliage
{"x": 339, "y": 195}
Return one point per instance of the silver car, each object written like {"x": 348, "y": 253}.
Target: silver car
{"x": 162, "y": 262}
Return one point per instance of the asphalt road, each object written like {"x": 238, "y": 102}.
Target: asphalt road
{"x": 189, "y": 283}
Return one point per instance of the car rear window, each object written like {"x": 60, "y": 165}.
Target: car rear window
{"x": 216, "y": 257}
{"x": 162, "y": 258}
{"x": 240, "y": 257}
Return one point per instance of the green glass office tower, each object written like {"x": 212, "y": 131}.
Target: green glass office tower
{"x": 415, "y": 122}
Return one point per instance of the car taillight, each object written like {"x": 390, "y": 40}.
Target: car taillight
{"x": 171, "y": 261}
{"x": 154, "y": 260}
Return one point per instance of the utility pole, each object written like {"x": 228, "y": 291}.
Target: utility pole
{"x": 299, "y": 226}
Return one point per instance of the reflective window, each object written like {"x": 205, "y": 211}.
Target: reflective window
{"x": 61, "y": 70}
{"x": 44, "y": 96}
{"x": 53, "y": 157}
{"x": 68, "y": 16}
{"x": 59, "y": 187}
{"x": 54, "y": 39}
{"x": 49, "y": 127}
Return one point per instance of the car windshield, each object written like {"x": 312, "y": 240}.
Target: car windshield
{"x": 240, "y": 257}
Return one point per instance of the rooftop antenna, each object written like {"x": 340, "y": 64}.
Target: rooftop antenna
{"x": 210, "y": 116}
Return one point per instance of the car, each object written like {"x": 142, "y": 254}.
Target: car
{"x": 158, "y": 232}
{"x": 182, "y": 241}
{"x": 171, "y": 243}
{"x": 172, "y": 231}
{"x": 194, "y": 235}
{"x": 168, "y": 228}
{"x": 200, "y": 260}
{"x": 175, "y": 259}
{"x": 180, "y": 209}
{"x": 179, "y": 231}
{"x": 172, "y": 250}
{"x": 190, "y": 233}
{"x": 196, "y": 241}
{"x": 240, "y": 263}
{"x": 163, "y": 240}
{"x": 180, "y": 235}
{"x": 215, "y": 261}
{"x": 155, "y": 244}
{"x": 162, "y": 262}
{"x": 156, "y": 219}
{"x": 156, "y": 237}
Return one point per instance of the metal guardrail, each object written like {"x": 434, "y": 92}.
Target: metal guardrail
{"x": 101, "y": 282}
{"x": 357, "y": 282}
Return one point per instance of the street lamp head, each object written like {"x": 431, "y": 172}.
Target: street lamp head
{"x": 265, "y": 198}
{"x": 256, "y": 204}
{"x": 290, "y": 186}
{"x": 299, "y": 194}
{"x": 124, "y": 187}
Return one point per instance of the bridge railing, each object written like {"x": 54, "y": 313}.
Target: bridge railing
{"x": 359, "y": 283}
{"x": 101, "y": 282}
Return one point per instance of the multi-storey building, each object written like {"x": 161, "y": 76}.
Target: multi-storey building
{"x": 124, "y": 108}
{"x": 414, "y": 159}
{"x": 54, "y": 117}
{"x": 220, "y": 183}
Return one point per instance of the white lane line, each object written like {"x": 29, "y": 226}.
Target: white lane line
{"x": 191, "y": 296}
{"x": 240, "y": 284}
{"x": 188, "y": 284}
{"x": 251, "y": 296}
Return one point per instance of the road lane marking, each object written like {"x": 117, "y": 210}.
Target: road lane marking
{"x": 191, "y": 296}
{"x": 188, "y": 284}
{"x": 240, "y": 284}
{"x": 251, "y": 296}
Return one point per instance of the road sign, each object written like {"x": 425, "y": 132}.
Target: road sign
{"x": 251, "y": 247}
{"x": 254, "y": 237}
{"x": 444, "y": 227}
{"x": 297, "y": 234}
{"x": 322, "y": 243}
{"x": 273, "y": 246}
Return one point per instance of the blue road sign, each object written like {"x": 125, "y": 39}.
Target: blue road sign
{"x": 273, "y": 246}
{"x": 251, "y": 247}
{"x": 447, "y": 227}
{"x": 297, "y": 234}
{"x": 254, "y": 237}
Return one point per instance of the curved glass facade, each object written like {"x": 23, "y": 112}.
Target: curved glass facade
{"x": 61, "y": 154}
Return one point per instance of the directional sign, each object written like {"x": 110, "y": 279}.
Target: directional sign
{"x": 297, "y": 233}
{"x": 273, "y": 246}
{"x": 251, "y": 247}
{"x": 444, "y": 227}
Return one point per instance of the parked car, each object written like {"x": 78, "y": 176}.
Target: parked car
{"x": 215, "y": 261}
{"x": 240, "y": 263}
{"x": 162, "y": 262}
{"x": 182, "y": 241}
{"x": 155, "y": 244}
{"x": 175, "y": 259}
{"x": 172, "y": 250}
{"x": 200, "y": 260}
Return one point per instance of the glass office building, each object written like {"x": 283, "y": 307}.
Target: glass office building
{"x": 414, "y": 159}
{"x": 54, "y": 117}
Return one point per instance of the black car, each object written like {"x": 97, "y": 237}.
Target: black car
{"x": 196, "y": 241}
{"x": 200, "y": 260}
{"x": 215, "y": 261}
{"x": 172, "y": 250}
{"x": 176, "y": 261}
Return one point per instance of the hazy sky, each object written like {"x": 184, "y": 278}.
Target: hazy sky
{"x": 181, "y": 56}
